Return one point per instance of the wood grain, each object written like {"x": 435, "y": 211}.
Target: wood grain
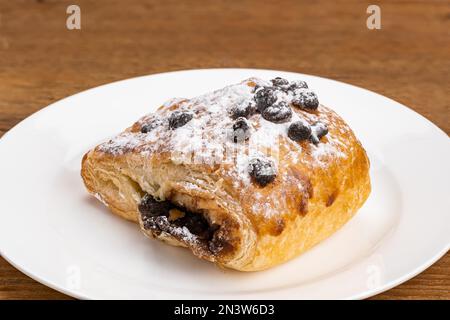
{"x": 407, "y": 60}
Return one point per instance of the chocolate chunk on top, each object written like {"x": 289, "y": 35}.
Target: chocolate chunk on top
{"x": 151, "y": 125}
{"x": 298, "y": 84}
{"x": 280, "y": 82}
{"x": 265, "y": 97}
{"x": 243, "y": 110}
{"x": 299, "y": 131}
{"x": 241, "y": 130}
{"x": 305, "y": 99}
{"x": 262, "y": 171}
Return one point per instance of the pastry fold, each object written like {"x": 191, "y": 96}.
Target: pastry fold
{"x": 186, "y": 161}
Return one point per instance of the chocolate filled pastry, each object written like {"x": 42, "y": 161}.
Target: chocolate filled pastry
{"x": 247, "y": 177}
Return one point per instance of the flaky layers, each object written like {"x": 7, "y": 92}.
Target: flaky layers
{"x": 244, "y": 225}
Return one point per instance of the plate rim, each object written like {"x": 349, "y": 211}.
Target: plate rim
{"x": 368, "y": 293}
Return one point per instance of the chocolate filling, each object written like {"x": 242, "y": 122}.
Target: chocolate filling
{"x": 165, "y": 216}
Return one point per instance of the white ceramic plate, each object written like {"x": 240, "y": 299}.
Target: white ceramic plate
{"x": 52, "y": 230}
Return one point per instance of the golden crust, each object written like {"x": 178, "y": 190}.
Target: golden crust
{"x": 318, "y": 188}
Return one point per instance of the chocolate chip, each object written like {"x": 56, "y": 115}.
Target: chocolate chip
{"x": 262, "y": 171}
{"x": 151, "y": 125}
{"x": 278, "y": 113}
{"x": 265, "y": 97}
{"x": 179, "y": 118}
{"x": 241, "y": 130}
{"x": 319, "y": 129}
{"x": 298, "y": 84}
{"x": 150, "y": 207}
{"x": 305, "y": 99}
{"x": 299, "y": 131}
{"x": 280, "y": 82}
{"x": 245, "y": 110}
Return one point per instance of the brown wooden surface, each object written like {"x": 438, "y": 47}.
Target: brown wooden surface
{"x": 408, "y": 60}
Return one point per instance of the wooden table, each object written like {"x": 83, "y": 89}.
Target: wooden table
{"x": 41, "y": 61}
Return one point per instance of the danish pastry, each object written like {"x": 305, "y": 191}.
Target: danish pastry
{"x": 247, "y": 177}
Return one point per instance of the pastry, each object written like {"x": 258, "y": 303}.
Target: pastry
{"x": 247, "y": 177}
